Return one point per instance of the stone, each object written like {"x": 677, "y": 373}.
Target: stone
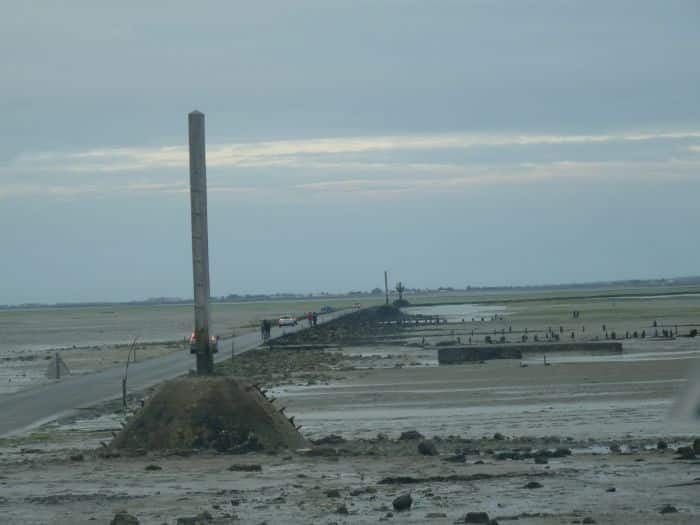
{"x": 456, "y": 458}
{"x": 402, "y": 502}
{"x": 588, "y": 521}
{"x": 363, "y": 490}
{"x": 686, "y": 453}
{"x": 540, "y": 460}
{"x": 668, "y": 509}
{"x": 435, "y": 515}
{"x": 332, "y": 493}
{"x": 477, "y": 517}
{"x": 243, "y": 467}
{"x": 77, "y": 457}
{"x": 661, "y": 445}
{"x": 696, "y": 446}
{"x": 410, "y": 435}
{"x": 124, "y": 518}
{"x": 561, "y": 452}
{"x": 611, "y": 489}
{"x": 533, "y": 485}
{"x": 200, "y": 519}
{"x": 332, "y": 439}
{"x": 498, "y": 436}
{"x": 153, "y": 467}
{"x": 427, "y": 448}
{"x": 342, "y": 509}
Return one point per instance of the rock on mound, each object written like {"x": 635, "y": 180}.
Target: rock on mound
{"x": 219, "y": 413}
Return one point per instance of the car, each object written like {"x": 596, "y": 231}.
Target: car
{"x": 326, "y": 309}
{"x": 213, "y": 343}
{"x": 287, "y": 320}
{"x": 357, "y": 306}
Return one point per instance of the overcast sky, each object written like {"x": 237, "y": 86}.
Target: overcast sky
{"x": 451, "y": 142}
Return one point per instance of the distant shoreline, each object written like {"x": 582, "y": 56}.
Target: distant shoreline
{"x": 674, "y": 286}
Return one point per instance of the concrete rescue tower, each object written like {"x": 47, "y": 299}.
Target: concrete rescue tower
{"x": 386, "y": 287}
{"x": 202, "y": 346}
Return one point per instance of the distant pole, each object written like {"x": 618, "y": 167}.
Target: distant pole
{"x": 200, "y": 242}
{"x": 386, "y": 286}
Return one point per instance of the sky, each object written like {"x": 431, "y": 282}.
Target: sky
{"x": 452, "y": 143}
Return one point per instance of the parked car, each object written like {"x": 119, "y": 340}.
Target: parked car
{"x": 213, "y": 343}
{"x": 326, "y": 309}
{"x": 287, "y": 320}
{"x": 357, "y": 306}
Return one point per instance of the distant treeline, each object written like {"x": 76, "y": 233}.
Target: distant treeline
{"x": 235, "y": 298}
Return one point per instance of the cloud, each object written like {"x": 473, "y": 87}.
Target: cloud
{"x": 302, "y": 152}
{"x": 463, "y": 176}
{"x": 384, "y": 165}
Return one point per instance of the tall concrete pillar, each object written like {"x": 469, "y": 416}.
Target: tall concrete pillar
{"x": 386, "y": 287}
{"x": 200, "y": 243}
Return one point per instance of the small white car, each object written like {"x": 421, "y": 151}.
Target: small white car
{"x": 287, "y": 320}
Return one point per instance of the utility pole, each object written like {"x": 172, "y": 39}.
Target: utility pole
{"x": 386, "y": 286}
{"x": 200, "y": 244}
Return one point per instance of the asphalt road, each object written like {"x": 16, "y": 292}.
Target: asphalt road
{"x": 35, "y": 406}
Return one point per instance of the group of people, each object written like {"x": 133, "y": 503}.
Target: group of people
{"x": 312, "y": 317}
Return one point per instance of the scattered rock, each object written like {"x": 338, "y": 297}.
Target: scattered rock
{"x": 561, "y": 452}
{"x": 668, "y": 509}
{"x": 434, "y": 515}
{"x": 320, "y": 452}
{"x": 661, "y": 445}
{"x": 533, "y": 485}
{"x": 557, "y": 453}
{"x": 363, "y": 490}
{"x": 153, "y": 467}
{"x": 332, "y": 493}
{"x": 427, "y": 448}
{"x": 342, "y": 509}
{"x": 199, "y": 519}
{"x": 498, "y": 436}
{"x": 403, "y": 502}
{"x": 611, "y": 489}
{"x": 242, "y": 467}
{"x": 614, "y": 447}
{"x": 588, "y": 521}
{"x": 686, "y": 453}
{"x": 477, "y": 517}
{"x": 696, "y": 446}
{"x": 124, "y": 518}
{"x": 540, "y": 460}
{"x": 332, "y": 439}
{"x": 410, "y": 435}
{"x": 456, "y": 458}
{"x": 77, "y": 457}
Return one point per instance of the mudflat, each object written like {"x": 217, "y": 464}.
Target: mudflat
{"x": 580, "y": 437}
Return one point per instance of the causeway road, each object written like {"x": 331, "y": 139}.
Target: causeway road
{"x": 38, "y": 405}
